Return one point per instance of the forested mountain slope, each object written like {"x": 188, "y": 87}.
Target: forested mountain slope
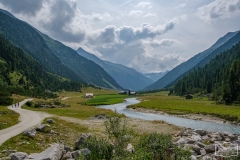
{"x": 21, "y": 74}
{"x": 192, "y": 62}
{"x": 26, "y": 37}
{"x": 128, "y": 78}
{"x": 221, "y": 76}
{"x": 89, "y": 71}
{"x": 53, "y": 55}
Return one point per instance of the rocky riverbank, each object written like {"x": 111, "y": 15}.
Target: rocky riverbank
{"x": 208, "y": 145}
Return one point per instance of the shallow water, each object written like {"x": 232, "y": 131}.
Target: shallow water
{"x": 183, "y": 122}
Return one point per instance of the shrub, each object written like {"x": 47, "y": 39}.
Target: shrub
{"x": 29, "y": 103}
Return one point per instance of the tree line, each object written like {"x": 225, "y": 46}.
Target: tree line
{"x": 220, "y": 78}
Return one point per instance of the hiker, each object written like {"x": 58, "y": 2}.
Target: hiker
{"x": 18, "y": 104}
{"x": 15, "y": 105}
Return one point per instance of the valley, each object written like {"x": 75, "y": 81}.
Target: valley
{"x": 117, "y": 92}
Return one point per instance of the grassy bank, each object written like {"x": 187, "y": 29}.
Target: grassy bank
{"x": 179, "y": 105}
{"x": 106, "y": 99}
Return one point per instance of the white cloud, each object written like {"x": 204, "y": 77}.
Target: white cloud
{"x": 150, "y": 15}
{"x": 147, "y": 5}
{"x": 161, "y": 43}
{"x": 219, "y": 9}
{"x": 101, "y": 17}
{"x": 135, "y": 13}
{"x": 183, "y": 5}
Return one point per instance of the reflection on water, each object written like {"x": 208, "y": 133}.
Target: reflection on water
{"x": 184, "y": 122}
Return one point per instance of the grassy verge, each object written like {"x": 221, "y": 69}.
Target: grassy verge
{"x": 59, "y": 132}
{"x": 106, "y": 99}
{"x": 178, "y": 105}
{"x": 8, "y": 117}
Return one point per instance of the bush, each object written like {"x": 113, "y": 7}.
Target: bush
{"x": 100, "y": 149}
{"x": 118, "y": 133}
{"x": 29, "y": 103}
{"x": 4, "y": 100}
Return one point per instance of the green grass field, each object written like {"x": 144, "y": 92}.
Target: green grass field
{"x": 179, "y": 105}
{"x": 106, "y": 99}
{"x": 77, "y": 100}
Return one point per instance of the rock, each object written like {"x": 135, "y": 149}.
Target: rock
{"x": 196, "y": 149}
{"x": 211, "y": 148}
{"x": 76, "y": 154}
{"x": 18, "y": 156}
{"x": 41, "y": 128}
{"x": 68, "y": 149}
{"x": 203, "y": 152}
{"x": 51, "y": 121}
{"x": 54, "y": 152}
{"x": 192, "y": 157}
{"x": 205, "y": 137}
{"x": 181, "y": 141}
{"x": 201, "y": 132}
{"x": 80, "y": 141}
{"x": 191, "y": 141}
{"x": 85, "y": 151}
{"x": 130, "y": 148}
{"x": 196, "y": 137}
{"x": 30, "y": 132}
{"x": 67, "y": 156}
{"x": 98, "y": 117}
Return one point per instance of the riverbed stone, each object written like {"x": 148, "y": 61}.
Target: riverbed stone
{"x": 201, "y": 132}
{"x": 18, "y": 156}
{"x": 192, "y": 157}
{"x": 201, "y": 145}
{"x": 182, "y": 141}
{"x": 196, "y": 137}
{"x": 76, "y": 154}
{"x": 203, "y": 151}
{"x": 191, "y": 141}
{"x": 211, "y": 148}
{"x": 196, "y": 148}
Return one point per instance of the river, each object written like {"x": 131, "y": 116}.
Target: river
{"x": 183, "y": 122}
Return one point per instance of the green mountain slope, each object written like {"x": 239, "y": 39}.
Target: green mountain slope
{"x": 128, "y": 78}
{"x": 89, "y": 71}
{"x": 53, "y": 55}
{"x": 235, "y": 39}
{"x": 26, "y": 37}
{"x": 21, "y": 74}
{"x": 172, "y": 75}
{"x": 220, "y": 76}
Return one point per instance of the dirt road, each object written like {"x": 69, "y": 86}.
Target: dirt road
{"x": 27, "y": 120}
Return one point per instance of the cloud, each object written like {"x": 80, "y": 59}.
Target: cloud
{"x": 59, "y": 21}
{"x": 125, "y": 3}
{"x": 135, "y": 13}
{"x": 101, "y": 17}
{"x": 161, "y": 43}
{"x": 150, "y": 15}
{"x": 219, "y": 9}
{"x": 147, "y": 63}
{"x": 183, "y": 5}
{"x": 29, "y": 7}
{"x": 104, "y": 36}
{"x": 129, "y": 33}
{"x": 147, "y": 5}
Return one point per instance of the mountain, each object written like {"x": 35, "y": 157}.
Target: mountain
{"x": 21, "y": 74}
{"x": 189, "y": 64}
{"x": 155, "y": 76}
{"x": 128, "y": 78}
{"x": 220, "y": 76}
{"x": 89, "y": 71}
{"x": 55, "y": 57}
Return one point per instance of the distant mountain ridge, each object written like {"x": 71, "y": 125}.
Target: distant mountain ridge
{"x": 127, "y": 77}
{"x": 155, "y": 76}
{"x": 172, "y": 75}
{"x": 55, "y": 57}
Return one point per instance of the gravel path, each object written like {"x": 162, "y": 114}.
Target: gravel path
{"x": 27, "y": 120}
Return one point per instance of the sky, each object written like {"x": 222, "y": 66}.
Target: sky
{"x": 149, "y": 36}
